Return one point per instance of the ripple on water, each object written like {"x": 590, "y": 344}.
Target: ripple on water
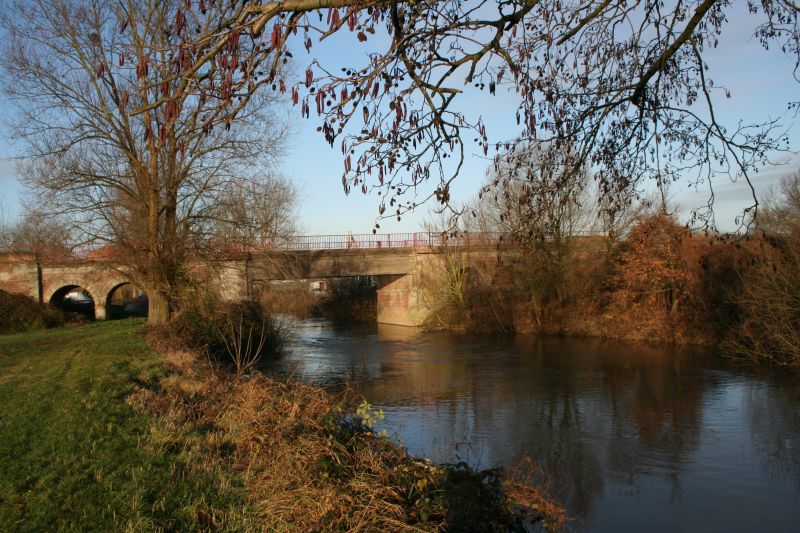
{"x": 636, "y": 437}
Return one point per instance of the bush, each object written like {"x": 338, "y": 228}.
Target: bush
{"x": 20, "y": 313}
{"x": 239, "y": 334}
{"x": 656, "y": 286}
{"x": 769, "y": 308}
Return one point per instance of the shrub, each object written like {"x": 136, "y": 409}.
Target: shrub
{"x": 20, "y": 313}
{"x": 239, "y": 334}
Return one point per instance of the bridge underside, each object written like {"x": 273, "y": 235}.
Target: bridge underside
{"x": 397, "y": 272}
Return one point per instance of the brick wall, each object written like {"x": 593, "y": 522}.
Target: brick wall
{"x": 19, "y": 274}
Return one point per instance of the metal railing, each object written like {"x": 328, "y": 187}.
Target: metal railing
{"x": 382, "y": 240}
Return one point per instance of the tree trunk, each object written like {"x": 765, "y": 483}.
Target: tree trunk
{"x": 158, "y": 308}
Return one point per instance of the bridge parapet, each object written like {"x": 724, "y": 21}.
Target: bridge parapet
{"x": 385, "y": 240}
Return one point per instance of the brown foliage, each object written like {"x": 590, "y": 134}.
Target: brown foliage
{"x": 654, "y": 278}
{"x": 309, "y": 467}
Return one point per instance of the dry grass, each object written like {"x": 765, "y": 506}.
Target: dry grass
{"x": 309, "y": 466}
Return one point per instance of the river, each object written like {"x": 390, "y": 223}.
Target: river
{"x": 635, "y": 437}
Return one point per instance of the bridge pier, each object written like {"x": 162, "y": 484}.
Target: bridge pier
{"x": 99, "y": 311}
{"x": 399, "y": 300}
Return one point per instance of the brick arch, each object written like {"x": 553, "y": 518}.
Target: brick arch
{"x": 111, "y": 285}
{"x": 55, "y": 286}
{"x": 98, "y": 280}
{"x": 108, "y": 291}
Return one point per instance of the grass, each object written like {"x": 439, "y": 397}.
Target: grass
{"x": 75, "y": 456}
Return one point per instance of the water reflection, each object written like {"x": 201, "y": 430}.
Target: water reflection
{"x": 635, "y": 437}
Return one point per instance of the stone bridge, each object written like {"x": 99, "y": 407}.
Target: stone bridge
{"x": 49, "y": 283}
{"x": 398, "y": 261}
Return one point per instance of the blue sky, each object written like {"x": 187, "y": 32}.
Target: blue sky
{"x": 760, "y": 81}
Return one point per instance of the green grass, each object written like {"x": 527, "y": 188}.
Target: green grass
{"x": 75, "y": 457}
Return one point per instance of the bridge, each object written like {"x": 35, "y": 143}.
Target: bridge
{"x": 401, "y": 263}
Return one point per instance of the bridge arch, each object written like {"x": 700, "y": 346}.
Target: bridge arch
{"x": 59, "y": 295}
{"x": 124, "y": 298}
{"x": 98, "y": 285}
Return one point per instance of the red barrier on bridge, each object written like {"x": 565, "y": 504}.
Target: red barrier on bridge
{"x": 384, "y": 240}
{"x": 366, "y": 241}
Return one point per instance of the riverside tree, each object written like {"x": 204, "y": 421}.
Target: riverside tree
{"x": 624, "y": 84}
{"x": 534, "y": 195}
{"x": 135, "y": 154}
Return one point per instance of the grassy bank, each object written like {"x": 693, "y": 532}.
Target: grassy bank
{"x": 75, "y": 456}
{"x": 100, "y": 432}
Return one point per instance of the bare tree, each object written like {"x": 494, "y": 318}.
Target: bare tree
{"x": 117, "y": 139}
{"x": 537, "y": 197}
{"x": 255, "y": 212}
{"x": 47, "y": 237}
{"x": 624, "y": 82}
{"x": 536, "y": 194}
{"x": 769, "y": 299}
{"x": 782, "y": 210}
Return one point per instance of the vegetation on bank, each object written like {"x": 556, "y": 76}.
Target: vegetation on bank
{"x": 658, "y": 282}
{"x": 352, "y": 299}
{"x": 100, "y": 431}
{"x": 236, "y": 334}
{"x": 20, "y": 313}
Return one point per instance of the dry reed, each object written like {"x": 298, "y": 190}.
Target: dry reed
{"x": 309, "y": 466}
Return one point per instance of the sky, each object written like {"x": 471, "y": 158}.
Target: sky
{"x": 761, "y": 85}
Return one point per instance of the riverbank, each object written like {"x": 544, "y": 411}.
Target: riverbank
{"x": 101, "y": 431}
{"x": 661, "y": 283}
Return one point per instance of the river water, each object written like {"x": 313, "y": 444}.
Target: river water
{"x": 635, "y": 437}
